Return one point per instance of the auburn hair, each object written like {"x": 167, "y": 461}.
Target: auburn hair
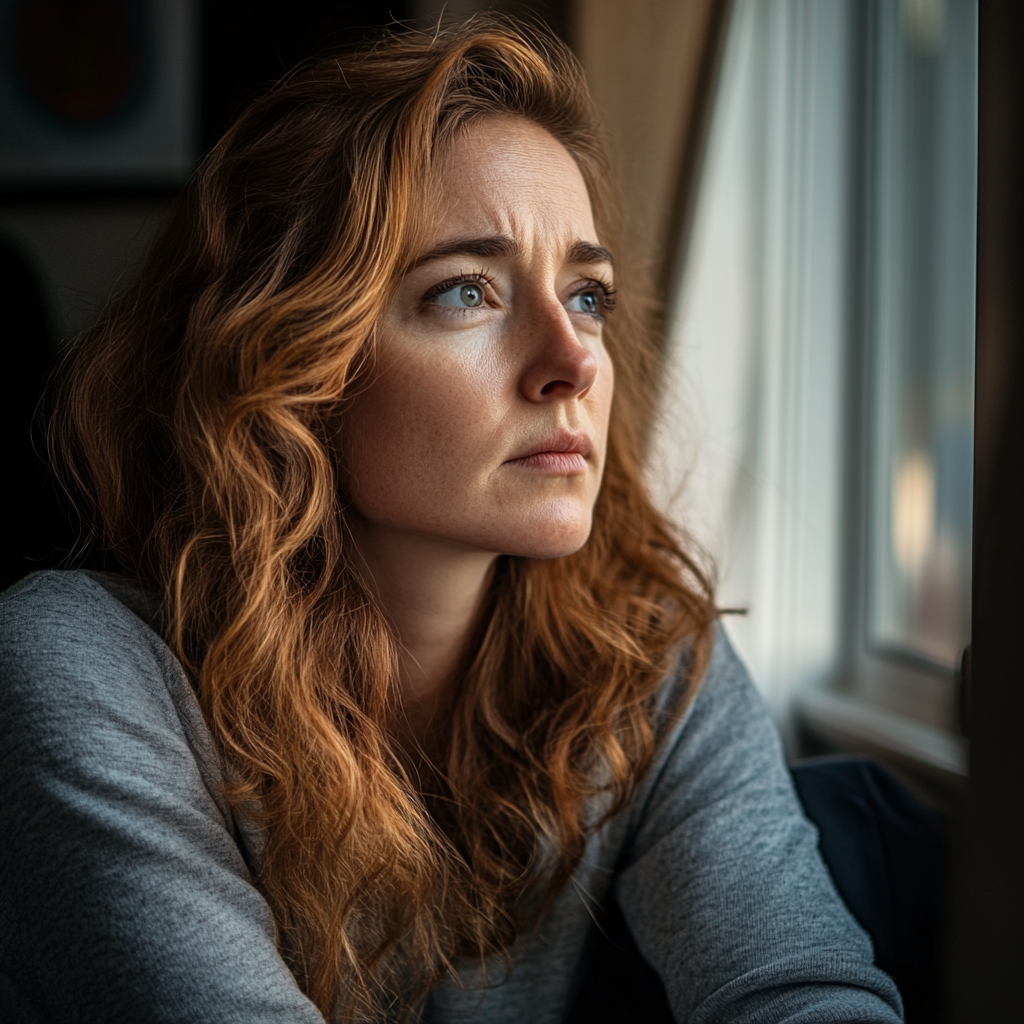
{"x": 195, "y": 421}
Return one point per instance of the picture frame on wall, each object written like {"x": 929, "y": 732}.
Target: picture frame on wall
{"x": 97, "y": 93}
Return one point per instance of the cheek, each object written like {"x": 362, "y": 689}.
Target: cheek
{"x": 418, "y": 429}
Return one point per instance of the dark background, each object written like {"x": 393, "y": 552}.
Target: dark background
{"x": 247, "y": 43}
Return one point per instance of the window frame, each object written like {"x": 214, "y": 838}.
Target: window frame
{"x": 881, "y": 700}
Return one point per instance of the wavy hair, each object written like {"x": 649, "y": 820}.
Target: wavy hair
{"x": 195, "y": 425}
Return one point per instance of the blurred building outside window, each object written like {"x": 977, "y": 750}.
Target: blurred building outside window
{"x": 921, "y": 300}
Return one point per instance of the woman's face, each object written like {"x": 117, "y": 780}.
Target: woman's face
{"x": 484, "y": 425}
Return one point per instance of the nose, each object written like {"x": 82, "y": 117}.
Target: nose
{"x": 560, "y": 366}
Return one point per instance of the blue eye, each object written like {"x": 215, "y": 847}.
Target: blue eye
{"x": 585, "y": 302}
{"x": 461, "y": 296}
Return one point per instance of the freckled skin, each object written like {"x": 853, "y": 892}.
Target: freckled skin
{"x": 458, "y": 392}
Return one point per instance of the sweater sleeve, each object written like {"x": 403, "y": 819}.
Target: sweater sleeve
{"x": 723, "y": 887}
{"x": 123, "y": 894}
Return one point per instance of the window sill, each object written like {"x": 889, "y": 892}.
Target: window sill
{"x": 933, "y": 758}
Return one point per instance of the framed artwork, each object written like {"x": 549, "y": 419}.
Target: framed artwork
{"x": 97, "y": 93}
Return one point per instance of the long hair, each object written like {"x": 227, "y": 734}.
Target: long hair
{"x": 195, "y": 423}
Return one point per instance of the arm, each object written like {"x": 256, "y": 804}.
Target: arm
{"x": 123, "y": 895}
{"x": 723, "y": 887}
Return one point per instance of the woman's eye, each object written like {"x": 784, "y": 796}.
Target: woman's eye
{"x": 588, "y": 301}
{"x": 462, "y": 296}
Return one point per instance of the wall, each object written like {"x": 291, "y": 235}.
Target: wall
{"x": 646, "y": 63}
{"x": 81, "y": 251}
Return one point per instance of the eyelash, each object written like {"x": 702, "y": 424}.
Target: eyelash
{"x": 607, "y": 294}
{"x": 480, "y": 277}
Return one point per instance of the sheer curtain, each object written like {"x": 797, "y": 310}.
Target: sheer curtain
{"x": 751, "y": 440}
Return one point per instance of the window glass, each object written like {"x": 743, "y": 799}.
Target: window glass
{"x": 921, "y": 255}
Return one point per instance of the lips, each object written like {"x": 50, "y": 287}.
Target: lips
{"x": 560, "y": 453}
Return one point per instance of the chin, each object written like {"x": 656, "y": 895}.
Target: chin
{"x": 549, "y": 539}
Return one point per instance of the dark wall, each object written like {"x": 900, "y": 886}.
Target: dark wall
{"x": 36, "y": 528}
{"x": 987, "y": 959}
{"x": 247, "y": 44}
{"x": 250, "y": 43}
{"x": 65, "y": 248}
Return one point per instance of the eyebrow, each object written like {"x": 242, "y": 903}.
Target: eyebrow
{"x": 502, "y": 246}
{"x": 587, "y": 252}
{"x": 496, "y": 245}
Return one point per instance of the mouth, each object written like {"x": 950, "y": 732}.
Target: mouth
{"x": 562, "y": 453}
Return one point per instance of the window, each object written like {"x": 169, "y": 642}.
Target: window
{"x": 817, "y": 434}
{"x": 922, "y": 213}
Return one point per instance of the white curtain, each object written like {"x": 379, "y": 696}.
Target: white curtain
{"x": 749, "y": 455}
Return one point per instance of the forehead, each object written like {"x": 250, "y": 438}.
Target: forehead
{"x": 507, "y": 176}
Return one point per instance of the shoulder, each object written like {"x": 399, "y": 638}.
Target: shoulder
{"x": 726, "y": 706}
{"x": 723, "y": 744}
{"x": 66, "y": 641}
{"x": 86, "y": 684}
{"x": 123, "y": 882}
{"x": 56, "y": 620}
{"x": 727, "y": 702}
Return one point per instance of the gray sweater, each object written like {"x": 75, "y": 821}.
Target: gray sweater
{"x": 125, "y": 885}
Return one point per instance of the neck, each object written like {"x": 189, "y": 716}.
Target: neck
{"x": 430, "y": 593}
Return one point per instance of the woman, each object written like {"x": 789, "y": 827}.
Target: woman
{"x": 403, "y": 674}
